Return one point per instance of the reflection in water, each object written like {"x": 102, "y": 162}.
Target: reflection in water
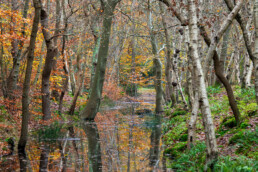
{"x": 116, "y": 141}
{"x": 94, "y": 150}
{"x": 155, "y": 142}
{"x": 44, "y": 158}
{"x": 23, "y": 160}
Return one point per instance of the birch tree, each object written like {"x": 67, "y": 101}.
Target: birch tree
{"x": 212, "y": 150}
{"x": 256, "y": 48}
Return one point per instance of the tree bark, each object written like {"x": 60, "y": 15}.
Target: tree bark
{"x": 65, "y": 66}
{"x": 215, "y": 40}
{"x": 168, "y": 73}
{"x": 51, "y": 53}
{"x": 26, "y": 84}
{"x": 175, "y": 67}
{"x": 16, "y": 52}
{"x": 92, "y": 107}
{"x": 223, "y": 54}
{"x": 194, "y": 114}
{"x": 39, "y": 66}
{"x": 242, "y": 22}
{"x": 55, "y": 93}
{"x": 212, "y": 150}
{"x": 256, "y": 49}
{"x": 157, "y": 65}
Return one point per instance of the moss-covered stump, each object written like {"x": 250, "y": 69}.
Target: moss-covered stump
{"x": 228, "y": 122}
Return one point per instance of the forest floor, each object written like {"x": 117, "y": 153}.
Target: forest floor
{"x": 237, "y": 145}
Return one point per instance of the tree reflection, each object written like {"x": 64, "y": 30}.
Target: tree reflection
{"x": 155, "y": 142}
{"x": 94, "y": 150}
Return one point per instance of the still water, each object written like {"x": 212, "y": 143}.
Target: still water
{"x": 126, "y": 137}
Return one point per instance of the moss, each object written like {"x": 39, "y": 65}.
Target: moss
{"x": 170, "y": 152}
{"x": 183, "y": 137}
{"x": 176, "y": 150}
{"x": 228, "y": 123}
{"x": 181, "y": 146}
{"x": 178, "y": 113}
{"x": 234, "y": 139}
{"x": 244, "y": 125}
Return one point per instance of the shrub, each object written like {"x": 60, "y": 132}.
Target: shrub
{"x": 175, "y": 150}
{"x": 240, "y": 164}
{"x": 245, "y": 140}
{"x": 191, "y": 160}
{"x": 179, "y": 112}
{"x": 229, "y": 123}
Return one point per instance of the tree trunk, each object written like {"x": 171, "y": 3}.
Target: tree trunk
{"x": 256, "y": 49}
{"x": 168, "y": 73}
{"x": 3, "y": 73}
{"x": 133, "y": 64}
{"x": 242, "y": 22}
{"x": 212, "y": 151}
{"x": 223, "y": 54}
{"x": 194, "y": 114}
{"x": 92, "y": 107}
{"x": 16, "y": 52}
{"x": 51, "y": 53}
{"x": 65, "y": 66}
{"x": 39, "y": 66}
{"x": 26, "y": 84}
{"x": 55, "y": 93}
{"x": 79, "y": 81}
{"x": 157, "y": 65}
{"x": 175, "y": 66}
{"x": 247, "y": 73}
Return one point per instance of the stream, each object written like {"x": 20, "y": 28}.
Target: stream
{"x": 126, "y": 137}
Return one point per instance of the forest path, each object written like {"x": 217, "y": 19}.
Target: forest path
{"x": 147, "y": 95}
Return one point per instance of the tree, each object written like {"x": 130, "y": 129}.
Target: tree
{"x": 92, "y": 107}
{"x": 256, "y": 48}
{"x": 157, "y": 64}
{"x": 212, "y": 150}
{"x": 51, "y": 53}
{"x": 26, "y": 84}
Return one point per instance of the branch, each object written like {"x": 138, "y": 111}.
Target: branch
{"x": 59, "y": 35}
{"x": 217, "y": 37}
{"x": 175, "y": 11}
{"x": 242, "y": 24}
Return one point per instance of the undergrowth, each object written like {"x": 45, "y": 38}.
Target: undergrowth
{"x": 241, "y": 140}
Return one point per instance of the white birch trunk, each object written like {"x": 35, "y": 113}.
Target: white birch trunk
{"x": 256, "y": 48}
{"x": 212, "y": 150}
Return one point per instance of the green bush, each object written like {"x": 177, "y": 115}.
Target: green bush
{"x": 239, "y": 164}
{"x": 179, "y": 112}
{"x": 194, "y": 160}
{"x": 183, "y": 137}
{"x": 191, "y": 160}
{"x": 245, "y": 141}
{"x": 229, "y": 123}
{"x": 50, "y": 133}
{"x": 175, "y": 151}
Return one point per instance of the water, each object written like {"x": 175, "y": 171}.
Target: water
{"x": 120, "y": 139}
